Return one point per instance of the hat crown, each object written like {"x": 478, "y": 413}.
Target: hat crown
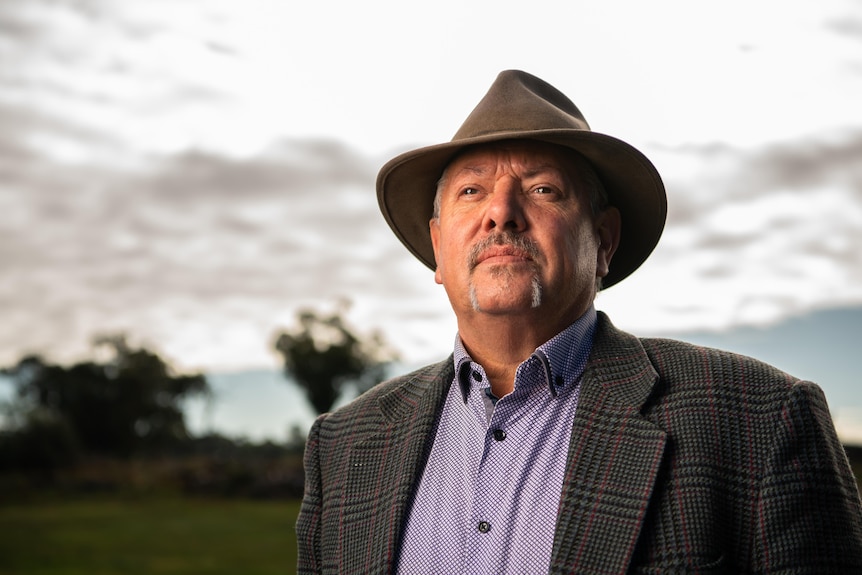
{"x": 518, "y": 102}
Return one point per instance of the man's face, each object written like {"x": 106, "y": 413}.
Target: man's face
{"x": 516, "y": 235}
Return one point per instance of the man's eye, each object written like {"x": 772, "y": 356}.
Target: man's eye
{"x": 469, "y": 192}
{"x": 544, "y": 190}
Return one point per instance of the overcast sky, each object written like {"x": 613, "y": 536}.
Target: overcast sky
{"x": 191, "y": 172}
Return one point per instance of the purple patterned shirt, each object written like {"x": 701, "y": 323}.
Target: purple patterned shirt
{"x": 487, "y": 500}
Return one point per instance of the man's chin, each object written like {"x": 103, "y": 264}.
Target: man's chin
{"x": 507, "y": 293}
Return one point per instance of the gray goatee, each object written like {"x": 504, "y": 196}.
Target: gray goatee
{"x": 521, "y": 244}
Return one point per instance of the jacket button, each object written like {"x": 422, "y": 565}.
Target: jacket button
{"x": 499, "y": 434}
{"x": 483, "y": 527}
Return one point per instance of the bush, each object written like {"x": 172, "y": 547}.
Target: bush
{"x": 44, "y": 444}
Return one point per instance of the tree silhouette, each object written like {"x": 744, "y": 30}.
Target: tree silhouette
{"x": 322, "y": 355}
{"x": 128, "y": 404}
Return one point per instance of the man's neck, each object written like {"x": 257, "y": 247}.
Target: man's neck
{"x": 501, "y": 343}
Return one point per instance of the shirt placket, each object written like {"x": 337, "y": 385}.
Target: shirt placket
{"x": 487, "y": 525}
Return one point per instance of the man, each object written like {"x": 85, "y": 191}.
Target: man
{"x": 550, "y": 441}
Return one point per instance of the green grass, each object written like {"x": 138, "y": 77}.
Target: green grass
{"x": 148, "y": 536}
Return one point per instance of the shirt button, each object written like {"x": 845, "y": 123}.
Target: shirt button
{"x": 483, "y": 527}
{"x": 477, "y": 376}
{"x": 499, "y": 434}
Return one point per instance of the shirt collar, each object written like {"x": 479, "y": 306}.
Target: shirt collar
{"x": 563, "y": 357}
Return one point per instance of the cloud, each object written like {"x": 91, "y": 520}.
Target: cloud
{"x": 156, "y": 176}
{"x": 200, "y": 252}
{"x": 809, "y": 194}
{"x": 753, "y": 236}
{"x": 196, "y": 239}
{"x": 850, "y": 25}
{"x": 201, "y": 245}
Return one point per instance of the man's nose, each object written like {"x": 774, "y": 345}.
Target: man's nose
{"x": 505, "y": 210}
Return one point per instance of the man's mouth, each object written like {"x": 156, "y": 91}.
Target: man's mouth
{"x": 503, "y": 249}
{"x": 502, "y": 254}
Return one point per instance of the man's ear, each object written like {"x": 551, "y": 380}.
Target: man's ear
{"x": 608, "y": 227}
{"x": 434, "y": 229}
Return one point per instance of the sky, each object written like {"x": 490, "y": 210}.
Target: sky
{"x": 193, "y": 172}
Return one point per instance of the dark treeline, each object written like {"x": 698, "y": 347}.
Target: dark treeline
{"x": 117, "y": 422}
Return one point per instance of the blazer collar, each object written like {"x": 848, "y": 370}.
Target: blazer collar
{"x": 619, "y": 363}
{"x": 614, "y": 457}
{"x": 421, "y": 395}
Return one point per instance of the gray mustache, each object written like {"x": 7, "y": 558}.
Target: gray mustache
{"x": 506, "y": 238}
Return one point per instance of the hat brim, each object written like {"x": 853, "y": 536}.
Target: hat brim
{"x": 406, "y": 186}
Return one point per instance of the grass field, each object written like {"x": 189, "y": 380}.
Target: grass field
{"x": 145, "y": 534}
{"x": 148, "y": 536}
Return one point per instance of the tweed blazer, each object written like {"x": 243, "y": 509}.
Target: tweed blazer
{"x": 682, "y": 459}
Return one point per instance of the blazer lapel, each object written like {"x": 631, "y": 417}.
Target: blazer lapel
{"x": 614, "y": 456}
{"x": 392, "y": 458}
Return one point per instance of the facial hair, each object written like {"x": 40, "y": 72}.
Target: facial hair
{"x": 520, "y": 243}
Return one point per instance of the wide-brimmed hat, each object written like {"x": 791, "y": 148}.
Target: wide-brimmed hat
{"x": 523, "y": 107}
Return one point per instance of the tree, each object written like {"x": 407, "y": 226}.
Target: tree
{"x": 323, "y": 355}
{"x": 127, "y": 404}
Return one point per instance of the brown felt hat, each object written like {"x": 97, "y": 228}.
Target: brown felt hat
{"x": 521, "y": 106}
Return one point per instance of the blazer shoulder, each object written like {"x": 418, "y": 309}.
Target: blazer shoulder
{"x": 672, "y": 357}
{"x": 411, "y": 387}
{"x": 682, "y": 370}
{"x": 734, "y": 385}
